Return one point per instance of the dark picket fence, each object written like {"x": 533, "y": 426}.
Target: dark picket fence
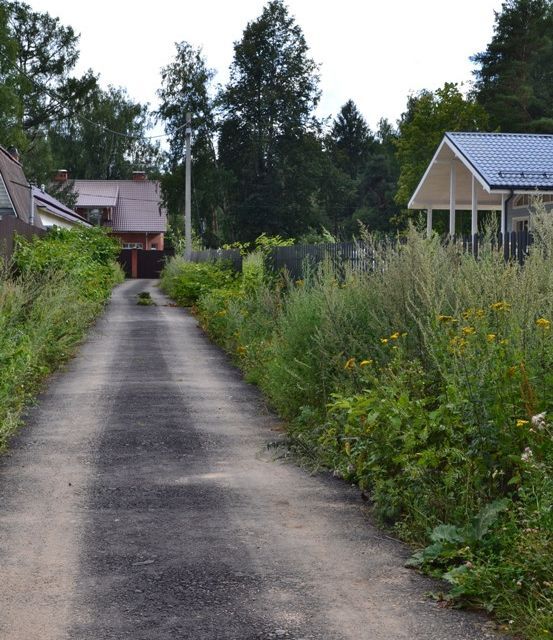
{"x": 9, "y": 227}
{"x": 364, "y": 258}
{"x": 229, "y": 256}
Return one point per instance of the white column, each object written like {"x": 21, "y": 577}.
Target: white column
{"x": 474, "y": 218}
{"x": 429, "y": 221}
{"x": 452, "y": 197}
{"x": 503, "y": 214}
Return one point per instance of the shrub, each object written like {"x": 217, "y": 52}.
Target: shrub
{"x": 186, "y": 281}
{"x": 61, "y": 284}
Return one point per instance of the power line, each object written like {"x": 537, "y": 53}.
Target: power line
{"x": 55, "y": 96}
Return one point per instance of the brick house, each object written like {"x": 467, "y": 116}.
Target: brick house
{"x": 132, "y": 208}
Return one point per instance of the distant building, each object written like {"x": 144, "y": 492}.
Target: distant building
{"x": 131, "y": 208}
{"x": 488, "y": 172}
{"x": 52, "y": 212}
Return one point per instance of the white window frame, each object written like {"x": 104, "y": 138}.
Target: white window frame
{"x": 516, "y": 219}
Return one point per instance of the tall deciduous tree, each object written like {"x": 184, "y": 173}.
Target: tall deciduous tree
{"x": 428, "y": 116}
{"x": 46, "y": 54}
{"x": 10, "y": 103}
{"x": 38, "y": 56}
{"x": 186, "y": 87}
{"x": 108, "y": 140}
{"x": 269, "y": 141}
{"x": 513, "y": 78}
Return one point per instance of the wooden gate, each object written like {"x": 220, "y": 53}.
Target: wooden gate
{"x": 141, "y": 263}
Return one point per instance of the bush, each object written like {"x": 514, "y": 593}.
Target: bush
{"x": 429, "y": 382}
{"x": 186, "y": 281}
{"x": 61, "y": 284}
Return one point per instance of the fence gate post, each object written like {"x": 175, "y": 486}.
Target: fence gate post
{"x": 134, "y": 263}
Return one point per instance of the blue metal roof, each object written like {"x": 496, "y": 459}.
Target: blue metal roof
{"x": 509, "y": 160}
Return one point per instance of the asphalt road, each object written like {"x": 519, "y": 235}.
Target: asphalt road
{"x": 141, "y": 501}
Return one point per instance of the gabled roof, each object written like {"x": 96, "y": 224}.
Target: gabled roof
{"x": 44, "y": 200}
{"x": 17, "y": 186}
{"x": 508, "y": 160}
{"x": 136, "y": 203}
{"x": 97, "y": 193}
{"x": 498, "y": 162}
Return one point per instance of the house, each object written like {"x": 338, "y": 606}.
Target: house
{"x": 131, "y": 208}
{"x": 52, "y": 212}
{"x": 487, "y": 172}
{"x": 16, "y": 199}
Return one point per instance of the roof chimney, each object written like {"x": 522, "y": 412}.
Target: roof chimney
{"x": 61, "y": 175}
{"x": 139, "y": 176}
{"x": 14, "y": 153}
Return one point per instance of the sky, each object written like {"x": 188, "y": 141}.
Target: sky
{"x": 375, "y": 52}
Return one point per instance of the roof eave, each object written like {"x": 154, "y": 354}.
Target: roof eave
{"x": 446, "y": 140}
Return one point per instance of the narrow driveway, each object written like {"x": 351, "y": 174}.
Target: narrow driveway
{"x": 141, "y": 501}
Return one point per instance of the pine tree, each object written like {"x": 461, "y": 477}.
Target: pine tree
{"x": 513, "y": 79}
{"x": 351, "y": 140}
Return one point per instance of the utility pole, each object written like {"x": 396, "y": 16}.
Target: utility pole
{"x": 188, "y": 191}
{"x": 31, "y": 205}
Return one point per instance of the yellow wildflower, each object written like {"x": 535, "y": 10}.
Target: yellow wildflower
{"x": 350, "y": 364}
{"x": 458, "y": 343}
{"x": 365, "y": 363}
{"x": 395, "y": 335}
{"x": 500, "y": 306}
{"x": 491, "y": 337}
{"x": 446, "y": 319}
{"x": 543, "y": 324}
{"x": 522, "y": 423}
{"x": 384, "y": 340}
{"x": 469, "y": 331}
{"x": 241, "y": 350}
{"x": 479, "y": 313}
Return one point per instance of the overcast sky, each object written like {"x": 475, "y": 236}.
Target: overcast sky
{"x": 373, "y": 51}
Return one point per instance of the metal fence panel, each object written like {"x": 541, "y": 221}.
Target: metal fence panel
{"x": 360, "y": 257}
{"x": 231, "y": 256}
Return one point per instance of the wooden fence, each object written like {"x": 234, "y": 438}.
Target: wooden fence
{"x": 361, "y": 257}
{"x": 230, "y": 256}
{"x": 9, "y": 227}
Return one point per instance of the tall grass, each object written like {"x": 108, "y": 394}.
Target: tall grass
{"x": 61, "y": 285}
{"x": 429, "y": 382}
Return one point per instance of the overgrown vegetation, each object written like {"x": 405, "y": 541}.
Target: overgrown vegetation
{"x": 60, "y": 284}
{"x": 429, "y": 383}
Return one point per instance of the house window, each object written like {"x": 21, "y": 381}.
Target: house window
{"x": 6, "y": 207}
{"x": 133, "y": 245}
{"x": 153, "y": 247}
{"x": 528, "y": 199}
{"x": 95, "y": 217}
{"x": 521, "y": 224}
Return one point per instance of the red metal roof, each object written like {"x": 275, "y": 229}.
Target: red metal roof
{"x": 136, "y": 203}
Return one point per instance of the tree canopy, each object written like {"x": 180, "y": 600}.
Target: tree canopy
{"x": 513, "y": 77}
{"x": 428, "y": 116}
